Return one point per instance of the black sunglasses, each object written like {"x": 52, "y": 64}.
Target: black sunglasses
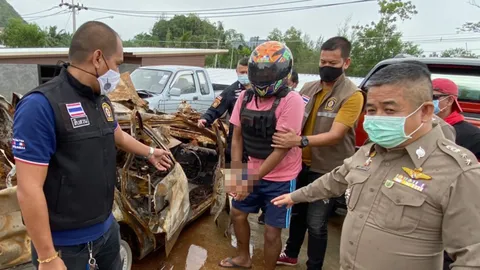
{"x": 438, "y": 96}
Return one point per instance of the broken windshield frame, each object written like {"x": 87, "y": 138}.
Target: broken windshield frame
{"x": 150, "y": 80}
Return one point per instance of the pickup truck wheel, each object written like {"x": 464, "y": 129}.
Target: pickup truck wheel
{"x": 125, "y": 255}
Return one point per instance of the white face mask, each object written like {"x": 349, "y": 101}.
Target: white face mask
{"x": 108, "y": 81}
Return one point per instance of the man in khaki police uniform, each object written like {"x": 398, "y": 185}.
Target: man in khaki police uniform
{"x": 333, "y": 105}
{"x": 411, "y": 192}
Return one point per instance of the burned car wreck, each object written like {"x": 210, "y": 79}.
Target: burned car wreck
{"x": 152, "y": 207}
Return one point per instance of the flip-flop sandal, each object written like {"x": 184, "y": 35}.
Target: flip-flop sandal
{"x": 233, "y": 265}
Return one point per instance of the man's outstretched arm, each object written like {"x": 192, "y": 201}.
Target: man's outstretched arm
{"x": 330, "y": 185}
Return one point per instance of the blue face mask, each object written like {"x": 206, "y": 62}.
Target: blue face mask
{"x": 243, "y": 79}
{"x": 388, "y": 131}
{"x": 436, "y": 107}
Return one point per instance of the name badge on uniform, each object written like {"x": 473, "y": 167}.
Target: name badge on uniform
{"x": 78, "y": 117}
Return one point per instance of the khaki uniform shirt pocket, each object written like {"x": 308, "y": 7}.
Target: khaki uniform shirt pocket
{"x": 399, "y": 209}
{"x": 356, "y": 181}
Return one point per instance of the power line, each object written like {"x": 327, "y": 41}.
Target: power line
{"x": 37, "y": 12}
{"x": 300, "y": 41}
{"x": 74, "y": 7}
{"x": 233, "y": 13}
{"x": 46, "y": 16}
{"x": 200, "y": 10}
{"x": 68, "y": 20}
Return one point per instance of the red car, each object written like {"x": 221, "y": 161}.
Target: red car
{"x": 465, "y": 72}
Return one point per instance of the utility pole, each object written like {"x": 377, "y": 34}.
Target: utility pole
{"x": 74, "y": 17}
{"x": 231, "y": 58}
{"x": 216, "y": 55}
{"x": 74, "y": 7}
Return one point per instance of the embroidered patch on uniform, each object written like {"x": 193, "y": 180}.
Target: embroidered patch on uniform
{"x": 306, "y": 99}
{"x": 78, "y": 117}
{"x": 75, "y": 109}
{"x": 217, "y": 101}
{"x": 330, "y": 104}
{"x": 107, "y": 110}
{"x": 389, "y": 183}
{"x": 18, "y": 144}
{"x": 414, "y": 184}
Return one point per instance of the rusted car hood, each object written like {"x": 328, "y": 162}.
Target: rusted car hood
{"x": 14, "y": 241}
{"x": 170, "y": 130}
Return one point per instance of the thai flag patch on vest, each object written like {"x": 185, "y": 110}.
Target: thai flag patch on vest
{"x": 78, "y": 117}
{"x": 18, "y": 144}
{"x": 306, "y": 99}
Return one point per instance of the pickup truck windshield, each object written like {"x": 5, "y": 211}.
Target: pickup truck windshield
{"x": 150, "y": 80}
{"x": 468, "y": 86}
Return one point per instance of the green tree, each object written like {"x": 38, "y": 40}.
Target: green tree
{"x": 276, "y": 35}
{"x": 380, "y": 40}
{"x": 56, "y": 38}
{"x": 142, "y": 40}
{"x": 19, "y": 34}
{"x": 193, "y": 32}
{"x": 458, "y": 52}
{"x": 471, "y": 26}
{"x": 305, "y": 52}
{"x": 187, "y": 32}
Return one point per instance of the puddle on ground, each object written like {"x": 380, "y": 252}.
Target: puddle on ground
{"x": 202, "y": 245}
{"x": 196, "y": 258}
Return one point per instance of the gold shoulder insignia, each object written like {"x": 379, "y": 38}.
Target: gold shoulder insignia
{"x": 464, "y": 157}
{"x": 416, "y": 174}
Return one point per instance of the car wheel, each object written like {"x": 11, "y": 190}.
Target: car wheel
{"x": 125, "y": 255}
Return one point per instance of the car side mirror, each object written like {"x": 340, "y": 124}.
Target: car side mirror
{"x": 176, "y": 92}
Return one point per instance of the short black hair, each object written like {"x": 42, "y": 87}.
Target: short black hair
{"x": 91, "y": 36}
{"x": 243, "y": 61}
{"x": 414, "y": 76}
{"x": 294, "y": 76}
{"x": 338, "y": 43}
{"x": 418, "y": 63}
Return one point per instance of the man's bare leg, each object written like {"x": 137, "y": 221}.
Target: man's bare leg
{"x": 242, "y": 232}
{"x": 272, "y": 246}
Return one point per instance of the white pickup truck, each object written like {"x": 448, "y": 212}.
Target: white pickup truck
{"x": 165, "y": 87}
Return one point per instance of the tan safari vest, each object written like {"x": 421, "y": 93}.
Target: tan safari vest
{"x": 326, "y": 158}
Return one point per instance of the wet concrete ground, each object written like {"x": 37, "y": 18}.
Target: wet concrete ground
{"x": 202, "y": 245}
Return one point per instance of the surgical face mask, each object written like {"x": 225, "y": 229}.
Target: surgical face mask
{"x": 330, "y": 74}
{"x": 108, "y": 81}
{"x": 243, "y": 79}
{"x": 388, "y": 131}
{"x": 436, "y": 106}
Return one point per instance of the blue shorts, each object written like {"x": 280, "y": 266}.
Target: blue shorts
{"x": 263, "y": 192}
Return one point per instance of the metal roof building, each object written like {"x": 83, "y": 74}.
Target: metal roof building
{"x": 22, "y": 69}
{"x": 136, "y": 55}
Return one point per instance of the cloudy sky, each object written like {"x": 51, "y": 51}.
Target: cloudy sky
{"x": 433, "y": 28}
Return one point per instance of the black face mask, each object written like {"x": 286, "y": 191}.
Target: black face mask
{"x": 330, "y": 74}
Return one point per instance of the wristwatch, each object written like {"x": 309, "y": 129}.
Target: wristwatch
{"x": 304, "y": 142}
